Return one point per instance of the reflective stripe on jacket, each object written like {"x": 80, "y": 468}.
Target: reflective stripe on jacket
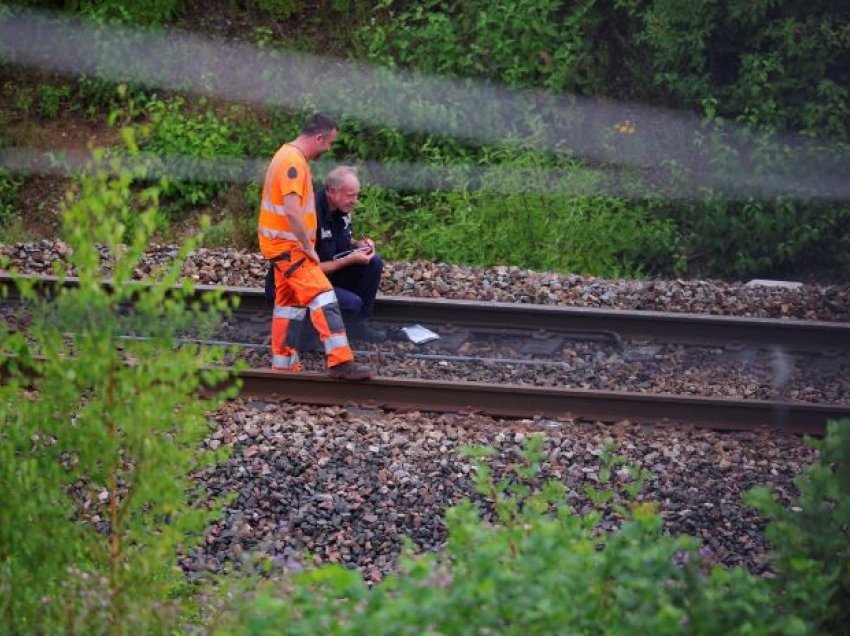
{"x": 288, "y": 173}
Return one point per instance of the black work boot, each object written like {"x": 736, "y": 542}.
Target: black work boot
{"x": 350, "y": 370}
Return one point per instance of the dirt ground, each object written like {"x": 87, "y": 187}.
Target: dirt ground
{"x": 41, "y": 197}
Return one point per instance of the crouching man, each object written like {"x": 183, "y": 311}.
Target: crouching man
{"x": 353, "y": 266}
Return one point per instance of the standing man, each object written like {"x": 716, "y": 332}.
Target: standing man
{"x": 287, "y": 234}
{"x": 352, "y": 266}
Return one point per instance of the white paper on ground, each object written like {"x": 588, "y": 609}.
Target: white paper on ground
{"x": 761, "y": 282}
{"x": 418, "y": 334}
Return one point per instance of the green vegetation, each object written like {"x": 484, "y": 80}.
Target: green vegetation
{"x": 9, "y": 187}
{"x": 51, "y": 99}
{"x": 812, "y": 551}
{"x": 543, "y": 231}
{"x": 767, "y": 67}
{"x": 175, "y": 134}
{"x": 98, "y": 434}
{"x": 752, "y": 73}
{"x": 147, "y": 12}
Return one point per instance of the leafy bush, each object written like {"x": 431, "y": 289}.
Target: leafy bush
{"x": 51, "y": 99}
{"x": 522, "y": 214}
{"x": 152, "y": 12}
{"x": 777, "y": 64}
{"x": 237, "y": 226}
{"x": 280, "y": 9}
{"x": 735, "y": 228}
{"x": 174, "y": 134}
{"x": 9, "y": 188}
{"x": 598, "y": 236}
{"x": 98, "y": 434}
{"x": 148, "y": 12}
{"x": 772, "y": 66}
{"x": 782, "y": 238}
{"x": 525, "y": 43}
{"x": 811, "y": 538}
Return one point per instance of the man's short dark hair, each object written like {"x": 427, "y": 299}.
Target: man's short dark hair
{"x": 318, "y": 124}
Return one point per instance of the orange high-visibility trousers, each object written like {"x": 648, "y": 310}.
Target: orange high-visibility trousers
{"x": 302, "y": 287}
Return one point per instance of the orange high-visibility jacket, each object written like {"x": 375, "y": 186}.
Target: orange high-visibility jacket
{"x": 288, "y": 173}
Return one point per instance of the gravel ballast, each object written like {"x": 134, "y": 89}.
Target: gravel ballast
{"x": 345, "y": 484}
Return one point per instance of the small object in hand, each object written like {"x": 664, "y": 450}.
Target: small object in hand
{"x": 347, "y": 252}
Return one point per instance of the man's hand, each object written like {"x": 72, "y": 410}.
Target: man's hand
{"x": 360, "y": 256}
{"x": 311, "y": 254}
{"x": 365, "y": 242}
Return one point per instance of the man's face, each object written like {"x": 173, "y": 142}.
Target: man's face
{"x": 345, "y": 196}
{"x": 323, "y": 143}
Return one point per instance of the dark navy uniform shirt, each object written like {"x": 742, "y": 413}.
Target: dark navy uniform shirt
{"x": 333, "y": 234}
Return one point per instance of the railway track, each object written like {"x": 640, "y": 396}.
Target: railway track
{"x": 524, "y": 401}
{"x": 543, "y": 325}
{"x": 793, "y": 335}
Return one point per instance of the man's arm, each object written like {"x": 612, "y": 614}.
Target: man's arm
{"x": 295, "y": 215}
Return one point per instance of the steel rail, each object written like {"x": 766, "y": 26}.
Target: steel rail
{"x": 793, "y": 335}
{"x": 786, "y": 334}
{"x": 526, "y": 401}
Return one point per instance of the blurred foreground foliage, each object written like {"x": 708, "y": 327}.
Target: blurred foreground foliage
{"x": 100, "y": 426}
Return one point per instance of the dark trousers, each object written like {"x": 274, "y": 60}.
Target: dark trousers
{"x": 356, "y": 287}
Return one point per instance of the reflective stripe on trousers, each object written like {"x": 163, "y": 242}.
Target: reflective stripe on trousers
{"x": 285, "y": 362}
{"x": 293, "y": 313}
